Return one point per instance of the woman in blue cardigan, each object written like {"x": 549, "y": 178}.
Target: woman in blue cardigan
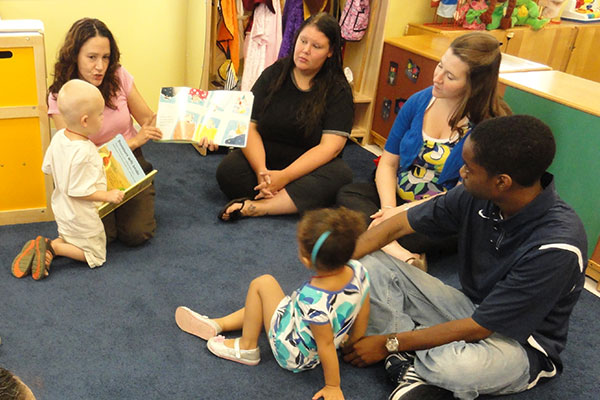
{"x": 422, "y": 155}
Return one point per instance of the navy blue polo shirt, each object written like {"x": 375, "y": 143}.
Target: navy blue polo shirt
{"x": 524, "y": 272}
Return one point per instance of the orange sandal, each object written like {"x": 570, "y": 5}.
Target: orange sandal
{"x": 39, "y": 268}
{"x": 21, "y": 265}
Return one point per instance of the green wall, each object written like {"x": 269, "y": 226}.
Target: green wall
{"x": 576, "y": 166}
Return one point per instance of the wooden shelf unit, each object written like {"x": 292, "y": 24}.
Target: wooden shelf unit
{"x": 363, "y": 58}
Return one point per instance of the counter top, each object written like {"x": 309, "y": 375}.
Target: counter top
{"x": 570, "y": 90}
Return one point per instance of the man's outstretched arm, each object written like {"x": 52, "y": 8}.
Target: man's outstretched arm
{"x": 382, "y": 234}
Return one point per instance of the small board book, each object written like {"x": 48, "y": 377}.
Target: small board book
{"x": 123, "y": 172}
{"x": 187, "y": 115}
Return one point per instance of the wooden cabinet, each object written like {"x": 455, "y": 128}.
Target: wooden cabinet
{"x": 584, "y": 60}
{"x": 551, "y": 45}
{"x": 24, "y": 130}
{"x": 398, "y": 80}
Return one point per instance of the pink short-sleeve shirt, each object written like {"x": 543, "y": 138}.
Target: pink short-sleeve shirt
{"x": 115, "y": 121}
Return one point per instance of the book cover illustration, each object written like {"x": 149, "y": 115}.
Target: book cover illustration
{"x": 123, "y": 172}
{"x": 187, "y": 115}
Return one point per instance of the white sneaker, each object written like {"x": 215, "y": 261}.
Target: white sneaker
{"x": 217, "y": 346}
{"x": 196, "y": 324}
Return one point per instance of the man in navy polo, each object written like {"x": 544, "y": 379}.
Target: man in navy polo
{"x": 521, "y": 259}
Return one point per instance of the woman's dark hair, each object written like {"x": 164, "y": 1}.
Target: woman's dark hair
{"x": 10, "y": 387}
{"x": 345, "y": 226}
{"x": 481, "y": 52}
{"x": 66, "y": 67}
{"x": 520, "y": 146}
{"x": 331, "y": 74}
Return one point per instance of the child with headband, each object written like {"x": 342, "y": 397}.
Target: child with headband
{"x": 330, "y": 310}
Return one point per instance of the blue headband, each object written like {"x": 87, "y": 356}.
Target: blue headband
{"x": 318, "y": 245}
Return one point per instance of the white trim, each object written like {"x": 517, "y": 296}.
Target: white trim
{"x": 568, "y": 247}
{"x": 543, "y": 374}
{"x": 533, "y": 343}
{"x": 480, "y": 212}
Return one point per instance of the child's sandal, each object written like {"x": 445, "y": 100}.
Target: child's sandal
{"x": 21, "y": 265}
{"x": 196, "y": 324}
{"x": 217, "y": 346}
{"x": 39, "y": 267}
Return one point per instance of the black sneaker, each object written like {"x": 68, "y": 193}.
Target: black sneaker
{"x": 413, "y": 387}
{"x": 397, "y": 364}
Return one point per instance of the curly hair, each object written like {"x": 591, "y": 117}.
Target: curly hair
{"x": 66, "y": 67}
{"x": 345, "y": 226}
{"x": 330, "y": 76}
{"x": 481, "y": 52}
{"x": 520, "y": 146}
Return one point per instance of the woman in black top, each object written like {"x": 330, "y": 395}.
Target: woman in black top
{"x": 301, "y": 118}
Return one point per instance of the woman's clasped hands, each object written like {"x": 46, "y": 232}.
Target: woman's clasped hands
{"x": 269, "y": 183}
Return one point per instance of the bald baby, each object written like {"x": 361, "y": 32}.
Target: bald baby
{"x": 81, "y": 105}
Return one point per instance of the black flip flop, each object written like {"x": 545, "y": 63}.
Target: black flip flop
{"x": 235, "y": 215}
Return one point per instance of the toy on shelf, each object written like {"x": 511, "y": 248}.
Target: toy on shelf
{"x": 478, "y": 15}
{"x": 582, "y": 10}
{"x": 527, "y": 12}
{"x": 505, "y": 21}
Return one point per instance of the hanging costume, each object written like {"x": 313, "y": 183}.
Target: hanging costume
{"x": 262, "y": 43}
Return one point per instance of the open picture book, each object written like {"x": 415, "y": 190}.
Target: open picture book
{"x": 187, "y": 115}
{"x": 123, "y": 172}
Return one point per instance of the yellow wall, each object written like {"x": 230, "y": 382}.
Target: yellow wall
{"x": 196, "y": 33}
{"x": 152, "y": 34}
{"x": 401, "y": 12}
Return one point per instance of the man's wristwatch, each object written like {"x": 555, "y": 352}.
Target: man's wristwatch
{"x": 391, "y": 344}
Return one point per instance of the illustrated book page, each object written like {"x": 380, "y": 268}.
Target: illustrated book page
{"x": 123, "y": 172}
{"x": 187, "y": 115}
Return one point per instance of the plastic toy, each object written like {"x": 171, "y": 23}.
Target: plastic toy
{"x": 582, "y": 10}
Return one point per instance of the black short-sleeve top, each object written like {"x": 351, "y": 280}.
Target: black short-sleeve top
{"x": 278, "y": 124}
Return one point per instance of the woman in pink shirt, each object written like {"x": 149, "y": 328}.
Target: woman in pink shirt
{"x": 90, "y": 53}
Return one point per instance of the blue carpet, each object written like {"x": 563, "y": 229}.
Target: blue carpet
{"x": 109, "y": 333}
